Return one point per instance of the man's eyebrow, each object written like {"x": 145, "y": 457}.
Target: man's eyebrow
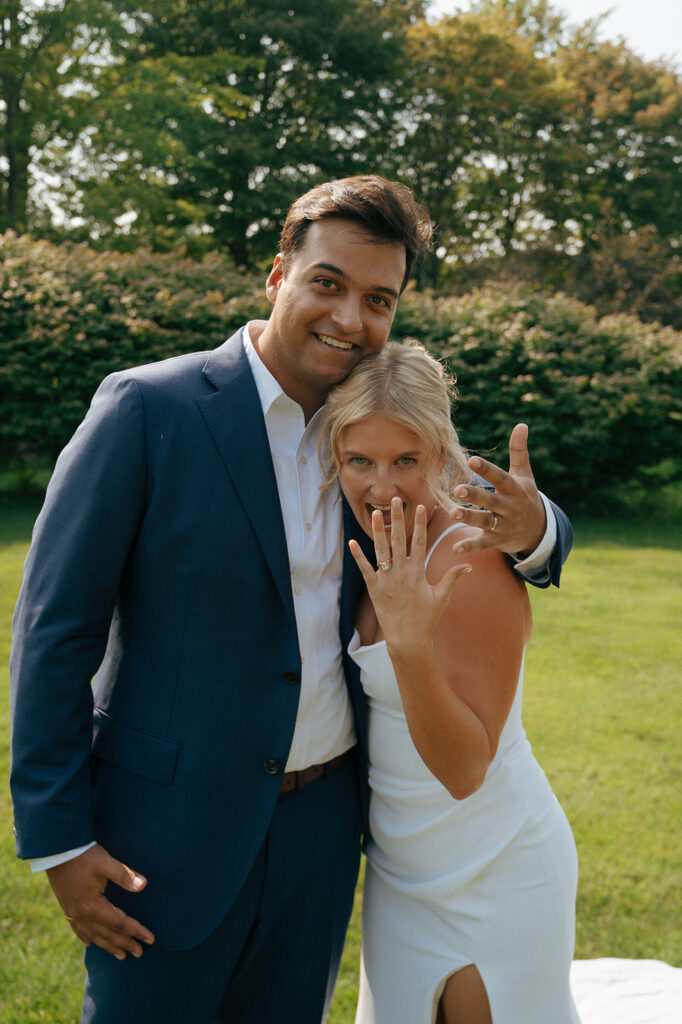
{"x": 339, "y": 273}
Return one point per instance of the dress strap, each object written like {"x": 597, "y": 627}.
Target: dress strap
{"x": 450, "y": 529}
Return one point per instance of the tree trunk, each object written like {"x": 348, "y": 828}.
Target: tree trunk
{"x": 16, "y": 153}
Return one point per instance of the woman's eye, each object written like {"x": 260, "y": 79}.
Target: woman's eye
{"x": 358, "y": 460}
{"x": 406, "y": 460}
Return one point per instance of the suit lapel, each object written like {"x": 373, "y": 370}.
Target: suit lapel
{"x": 352, "y": 577}
{"x": 350, "y": 590}
{"x": 235, "y": 422}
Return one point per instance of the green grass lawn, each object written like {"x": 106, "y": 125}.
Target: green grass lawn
{"x": 602, "y": 710}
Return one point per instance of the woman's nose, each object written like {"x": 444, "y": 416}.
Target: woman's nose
{"x": 383, "y": 487}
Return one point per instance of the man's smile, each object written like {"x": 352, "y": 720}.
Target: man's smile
{"x": 327, "y": 339}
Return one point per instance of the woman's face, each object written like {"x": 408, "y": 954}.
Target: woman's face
{"x": 381, "y": 459}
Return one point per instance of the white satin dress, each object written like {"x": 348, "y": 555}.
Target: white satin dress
{"x": 490, "y": 880}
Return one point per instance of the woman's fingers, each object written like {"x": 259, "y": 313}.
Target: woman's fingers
{"x": 362, "y": 563}
{"x": 418, "y": 545}
{"x": 447, "y": 581}
{"x": 381, "y": 545}
{"x": 398, "y": 541}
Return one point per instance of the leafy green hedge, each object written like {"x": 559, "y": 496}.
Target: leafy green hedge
{"x": 603, "y": 398}
{"x": 69, "y": 316}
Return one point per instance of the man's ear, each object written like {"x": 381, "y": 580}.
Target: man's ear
{"x": 274, "y": 279}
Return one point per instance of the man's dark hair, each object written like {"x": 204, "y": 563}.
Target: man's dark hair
{"x": 385, "y": 209}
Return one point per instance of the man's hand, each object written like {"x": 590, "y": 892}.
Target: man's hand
{"x": 512, "y": 517}
{"x": 79, "y": 886}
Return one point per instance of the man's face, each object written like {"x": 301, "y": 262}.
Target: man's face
{"x": 333, "y": 305}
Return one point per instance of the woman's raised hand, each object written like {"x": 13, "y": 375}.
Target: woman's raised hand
{"x": 407, "y": 606}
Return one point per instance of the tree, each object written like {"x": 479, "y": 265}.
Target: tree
{"x": 229, "y": 110}
{"x": 526, "y": 135}
{"x": 51, "y": 56}
{"x": 482, "y": 109}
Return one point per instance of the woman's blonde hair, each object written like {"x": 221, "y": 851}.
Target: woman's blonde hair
{"x": 404, "y": 383}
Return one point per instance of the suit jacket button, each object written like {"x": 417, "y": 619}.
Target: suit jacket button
{"x": 272, "y": 766}
{"x": 292, "y": 677}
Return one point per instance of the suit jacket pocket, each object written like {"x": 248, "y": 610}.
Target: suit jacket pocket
{"x": 143, "y": 753}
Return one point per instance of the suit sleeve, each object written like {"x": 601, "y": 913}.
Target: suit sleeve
{"x": 93, "y": 508}
{"x": 550, "y": 573}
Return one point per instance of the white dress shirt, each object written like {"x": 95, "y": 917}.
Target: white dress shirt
{"x": 314, "y": 531}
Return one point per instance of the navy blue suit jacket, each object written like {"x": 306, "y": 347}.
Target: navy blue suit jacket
{"x": 159, "y": 567}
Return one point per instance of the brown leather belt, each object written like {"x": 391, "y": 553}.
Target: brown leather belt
{"x": 297, "y": 780}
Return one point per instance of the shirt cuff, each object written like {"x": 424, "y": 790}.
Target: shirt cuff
{"x": 43, "y": 863}
{"x": 539, "y": 558}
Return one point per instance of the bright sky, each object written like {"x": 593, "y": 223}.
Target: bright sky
{"x": 651, "y": 28}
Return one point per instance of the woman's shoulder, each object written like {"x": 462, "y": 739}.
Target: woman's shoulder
{"x": 488, "y": 562}
{"x": 440, "y": 529}
{"x": 492, "y": 581}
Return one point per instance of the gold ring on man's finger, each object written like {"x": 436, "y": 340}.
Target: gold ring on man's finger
{"x": 494, "y": 526}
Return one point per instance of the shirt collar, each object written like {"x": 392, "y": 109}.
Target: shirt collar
{"x": 269, "y": 389}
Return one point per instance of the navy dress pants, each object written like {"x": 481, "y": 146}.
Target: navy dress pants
{"x": 275, "y": 957}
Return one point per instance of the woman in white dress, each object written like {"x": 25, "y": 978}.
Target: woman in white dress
{"x": 469, "y": 904}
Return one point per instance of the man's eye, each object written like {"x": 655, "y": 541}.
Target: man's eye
{"x": 380, "y": 300}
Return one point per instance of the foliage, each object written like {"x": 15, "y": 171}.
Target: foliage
{"x": 482, "y": 110}
{"x": 163, "y": 123}
{"x": 603, "y": 725}
{"x": 638, "y": 272}
{"x": 602, "y": 397}
{"x": 518, "y": 131}
{"x": 224, "y": 113}
{"x": 622, "y": 144}
{"x": 52, "y": 53}
{"x": 69, "y": 316}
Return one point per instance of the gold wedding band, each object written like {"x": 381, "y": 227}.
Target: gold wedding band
{"x": 69, "y": 918}
{"x": 385, "y": 566}
{"x": 494, "y": 526}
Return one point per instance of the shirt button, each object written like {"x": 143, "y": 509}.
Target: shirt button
{"x": 303, "y": 459}
{"x": 272, "y": 766}
{"x": 292, "y": 677}
{"x": 308, "y": 527}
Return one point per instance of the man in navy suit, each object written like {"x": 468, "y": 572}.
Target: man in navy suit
{"x": 199, "y": 806}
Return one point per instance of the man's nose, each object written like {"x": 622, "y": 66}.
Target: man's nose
{"x": 347, "y": 314}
